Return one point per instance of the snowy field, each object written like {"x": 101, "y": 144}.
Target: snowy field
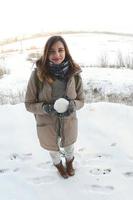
{"x": 104, "y": 150}
{"x": 103, "y": 156}
{"x": 101, "y": 84}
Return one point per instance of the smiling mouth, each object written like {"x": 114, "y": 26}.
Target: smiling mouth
{"x": 56, "y": 60}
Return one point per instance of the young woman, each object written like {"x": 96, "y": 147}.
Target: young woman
{"x": 54, "y": 93}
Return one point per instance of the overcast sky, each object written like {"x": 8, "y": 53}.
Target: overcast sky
{"x": 25, "y": 16}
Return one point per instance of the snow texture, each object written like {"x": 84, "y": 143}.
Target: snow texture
{"x": 103, "y": 156}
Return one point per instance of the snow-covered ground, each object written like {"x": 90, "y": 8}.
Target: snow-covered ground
{"x": 104, "y": 150}
{"x": 108, "y": 84}
{"x": 103, "y": 156}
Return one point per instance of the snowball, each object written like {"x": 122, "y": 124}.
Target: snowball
{"x": 61, "y": 105}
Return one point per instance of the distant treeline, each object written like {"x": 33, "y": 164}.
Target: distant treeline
{"x": 44, "y": 34}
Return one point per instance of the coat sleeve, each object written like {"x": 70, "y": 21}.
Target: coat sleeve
{"x": 79, "y": 101}
{"x": 31, "y": 103}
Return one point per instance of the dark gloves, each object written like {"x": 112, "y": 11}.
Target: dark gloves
{"x": 48, "y": 108}
{"x": 71, "y": 108}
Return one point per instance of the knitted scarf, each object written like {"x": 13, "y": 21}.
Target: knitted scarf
{"x": 59, "y": 70}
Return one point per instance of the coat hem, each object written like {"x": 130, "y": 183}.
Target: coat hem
{"x": 50, "y": 148}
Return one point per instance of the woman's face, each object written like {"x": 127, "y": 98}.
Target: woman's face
{"x": 56, "y": 53}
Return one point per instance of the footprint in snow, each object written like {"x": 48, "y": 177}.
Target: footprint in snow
{"x": 99, "y": 171}
{"x": 47, "y": 179}
{"x": 106, "y": 189}
{"x": 45, "y": 165}
{"x": 103, "y": 155}
{"x": 93, "y": 156}
{"x": 5, "y": 170}
{"x": 129, "y": 174}
{"x": 113, "y": 144}
{"x": 25, "y": 156}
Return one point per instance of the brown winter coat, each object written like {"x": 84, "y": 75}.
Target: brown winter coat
{"x": 46, "y": 124}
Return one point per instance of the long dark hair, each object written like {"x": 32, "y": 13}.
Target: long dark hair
{"x": 42, "y": 62}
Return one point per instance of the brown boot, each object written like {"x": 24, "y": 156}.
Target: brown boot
{"x": 62, "y": 170}
{"x": 69, "y": 167}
